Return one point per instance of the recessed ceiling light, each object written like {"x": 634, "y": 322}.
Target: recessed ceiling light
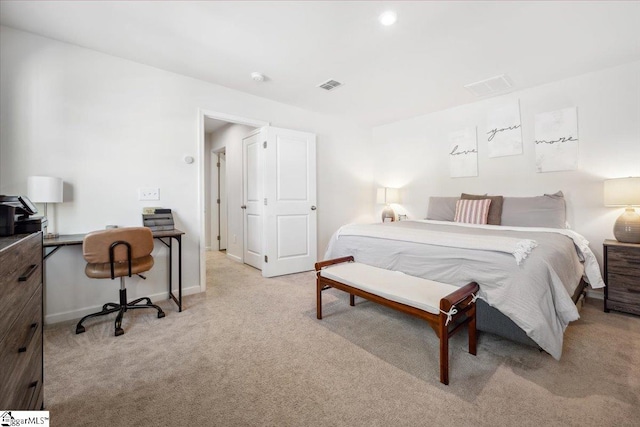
{"x": 388, "y": 18}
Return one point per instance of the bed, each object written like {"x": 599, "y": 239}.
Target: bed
{"x": 529, "y": 276}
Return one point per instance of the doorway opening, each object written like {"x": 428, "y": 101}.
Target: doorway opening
{"x": 269, "y": 192}
{"x": 220, "y": 142}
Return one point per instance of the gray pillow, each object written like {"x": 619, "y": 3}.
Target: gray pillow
{"x": 540, "y": 211}
{"x": 442, "y": 208}
{"x": 495, "y": 209}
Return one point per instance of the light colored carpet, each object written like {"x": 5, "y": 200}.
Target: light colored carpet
{"x": 250, "y": 352}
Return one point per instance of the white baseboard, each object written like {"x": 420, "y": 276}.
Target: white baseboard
{"x": 234, "y": 257}
{"x": 591, "y": 293}
{"x": 50, "y": 319}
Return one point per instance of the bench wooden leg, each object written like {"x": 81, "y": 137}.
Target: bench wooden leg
{"x": 472, "y": 331}
{"x": 444, "y": 352}
{"x": 318, "y": 299}
{"x": 352, "y": 300}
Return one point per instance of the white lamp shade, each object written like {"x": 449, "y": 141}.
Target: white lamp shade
{"x": 44, "y": 189}
{"x": 386, "y": 195}
{"x": 622, "y": 192}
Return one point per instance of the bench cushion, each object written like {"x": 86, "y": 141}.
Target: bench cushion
{"x": 396, "y": 286}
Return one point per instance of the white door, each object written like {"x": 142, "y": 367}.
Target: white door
{"x": 222, "y": 194}
{"x": 253, "y": 163}
{"x": 213, "y": 205}
{"x": 218, "y": 235}
{"x": 290, "y": 215}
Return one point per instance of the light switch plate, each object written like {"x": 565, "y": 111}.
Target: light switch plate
{"x": 149, "y": 193}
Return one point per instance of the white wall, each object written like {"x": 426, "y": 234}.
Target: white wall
{"x": 413, "y": 154}
{"x": 108, "y": 126}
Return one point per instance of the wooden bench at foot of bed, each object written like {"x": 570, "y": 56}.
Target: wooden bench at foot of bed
{"x": 447, "y": 308}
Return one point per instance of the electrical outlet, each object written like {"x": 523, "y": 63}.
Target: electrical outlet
{"x": 148, "y": 193}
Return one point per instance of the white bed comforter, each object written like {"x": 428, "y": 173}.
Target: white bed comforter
{"x": 535, "y": 293}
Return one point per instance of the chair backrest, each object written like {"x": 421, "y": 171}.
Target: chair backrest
{"x": 95, "y": 246}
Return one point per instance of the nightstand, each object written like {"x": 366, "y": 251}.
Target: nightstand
{"x": 622, "y": 276}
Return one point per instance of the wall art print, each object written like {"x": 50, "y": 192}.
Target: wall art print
{"x": 504, "y": 130}
{"x": 463, "y": 153}
{"x": 556, "y": 140}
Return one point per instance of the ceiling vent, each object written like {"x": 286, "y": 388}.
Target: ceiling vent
{"x": 490, "y": 86}
{"x": 330, "y": 84}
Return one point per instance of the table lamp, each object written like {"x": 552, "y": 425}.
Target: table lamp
{"x": 45, "y": 189}
{"x": 386, "y": 196}
{"x": 624, "y": 192}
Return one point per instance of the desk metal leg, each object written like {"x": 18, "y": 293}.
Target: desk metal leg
{"x": 178, "y": 300}
{"x": 171, "y": 270}
{"x": 179, "y": 238}
{"x": 169, "y": 245}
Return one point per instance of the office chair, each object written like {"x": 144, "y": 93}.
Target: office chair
{"x": 118, "y": 252}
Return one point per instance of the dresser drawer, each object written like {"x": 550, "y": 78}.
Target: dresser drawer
{"x": 21, "y": 356}
{"x": 20, "y": 276}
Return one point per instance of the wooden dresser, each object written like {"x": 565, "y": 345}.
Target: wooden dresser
{"x": 622, "y": 276}
{"x": 21, "y": 339}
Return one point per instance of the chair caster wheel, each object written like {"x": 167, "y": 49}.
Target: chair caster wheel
{"x": 119, "y": 331}
{"x": 160, "y": 314}
{"x": 79, "y": 329}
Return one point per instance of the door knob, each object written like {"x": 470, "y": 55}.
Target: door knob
{"x": 313, "y": 208}
{"x": 243, "y": 207}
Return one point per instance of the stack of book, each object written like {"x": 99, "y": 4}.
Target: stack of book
{"x": 159, "y": 220}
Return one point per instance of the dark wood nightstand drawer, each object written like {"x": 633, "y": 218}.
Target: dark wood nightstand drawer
{"x": 623, "y": 283}
{"x": 624, "y": 260}
{"x": 622, "y": 276}
{"x": 624, "y": 289}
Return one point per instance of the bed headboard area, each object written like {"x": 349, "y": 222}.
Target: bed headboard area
{"x": 548, "y": 210}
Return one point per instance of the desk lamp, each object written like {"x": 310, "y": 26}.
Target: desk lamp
{"x": 45, "y": 189}
{"x": 624, "y": 192}
{"x": 386, "y": 196}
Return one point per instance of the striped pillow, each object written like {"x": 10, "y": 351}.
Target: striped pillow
{"x": 472, "y": 211}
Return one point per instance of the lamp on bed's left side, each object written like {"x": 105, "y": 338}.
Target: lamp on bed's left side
{"x": 624, "y": 192}
{"x": 386, "y": 196}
